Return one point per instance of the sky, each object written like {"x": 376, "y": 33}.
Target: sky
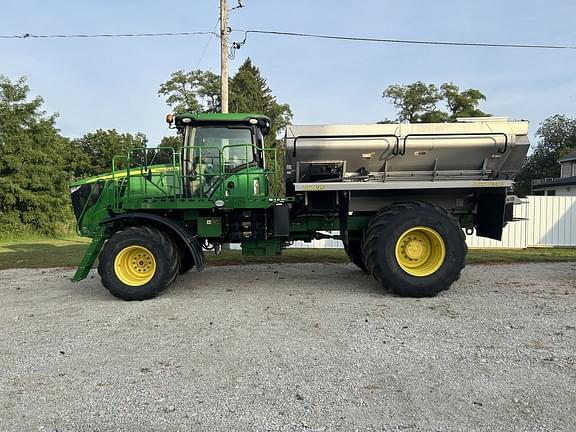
{"x": 113, "y": 83}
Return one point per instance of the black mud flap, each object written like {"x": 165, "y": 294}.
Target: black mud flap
{"x": 196, "y": 251}
{"x": 491, "y": 213}
{"x": 281, "y": 220}
{"x": 344, "y": 199}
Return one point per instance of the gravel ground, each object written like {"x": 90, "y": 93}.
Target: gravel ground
{"x": 290, "y": 348}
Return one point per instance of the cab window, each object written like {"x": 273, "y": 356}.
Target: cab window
{"x": 234, "y": 144}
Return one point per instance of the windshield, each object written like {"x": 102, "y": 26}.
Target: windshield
{"x": 234, "y": 144}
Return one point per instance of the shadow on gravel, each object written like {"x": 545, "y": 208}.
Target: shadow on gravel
{"x": 254, "y": 280}
{"x": 279, "y": 278}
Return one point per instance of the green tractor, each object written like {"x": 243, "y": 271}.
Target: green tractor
{"x": 398, "y": 196}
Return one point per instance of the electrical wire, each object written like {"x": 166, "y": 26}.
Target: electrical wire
{"x": 104, "y": 35}
{"x": 297, "y": 34}
{"x": 212, "y": 34}
{"x": 406, "y": 41}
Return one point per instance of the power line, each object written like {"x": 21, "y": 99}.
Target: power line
{"x": 297, "y": 34}
{"x": 212, "y": 34}
{"x": 103, "y": 35}
{"x": 405, "y": 41}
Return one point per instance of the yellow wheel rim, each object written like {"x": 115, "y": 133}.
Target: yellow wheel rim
{"x": 420, "y": 251}
{"x": 135, "y": 266}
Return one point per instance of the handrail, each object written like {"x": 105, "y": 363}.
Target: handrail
{"x": 180, "y": 175}
{"x": 370, "y": 136}
{"x": 116, "y": 188}
{"x": 485, "y": 134}
{"x": 144, "y": 165}
{"x": 222, "y": 172}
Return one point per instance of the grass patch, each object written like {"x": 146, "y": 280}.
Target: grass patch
{"x": 42, "y": 252}
{"x": 45, "y": 253}
{"x": 509, "y": 256}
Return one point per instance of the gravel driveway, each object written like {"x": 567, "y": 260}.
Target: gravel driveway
{"x": 314, "y": 347}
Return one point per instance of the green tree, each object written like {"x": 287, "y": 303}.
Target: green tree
{"x": 556, "y": 137}
{"x": 434, "y": 116}
{"x": 193, "y": 91}
{"x": 412, "y": 100}
{"x": 163, "y": 155}
{"x": 209, "y": 92}
{"x": 462, "y": 103}
{"x": 174, "y": 141}
{"x": 249, "y": 92}
{"x": 33, "y": 173}
{"x": 95, "y": 150}
{"x": 419, "y": 102}
{"x": 199, "y": 91}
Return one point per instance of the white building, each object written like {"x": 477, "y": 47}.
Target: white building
{"x": 563, "y": 186}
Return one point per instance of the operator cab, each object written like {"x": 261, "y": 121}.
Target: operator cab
{"x": 218, "y": 145}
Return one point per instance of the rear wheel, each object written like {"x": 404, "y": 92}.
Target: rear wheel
{"x": 354, "y": 252}
{"x": 414, "y": 249}
{"x": 138, "y": 262}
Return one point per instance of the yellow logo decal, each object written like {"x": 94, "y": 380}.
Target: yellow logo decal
{"x": 314, "y": 187}
{"x": 488, "y": 184}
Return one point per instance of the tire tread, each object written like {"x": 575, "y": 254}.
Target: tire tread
{"x": 380, "y": 223}
{"x": 169, "y": 254}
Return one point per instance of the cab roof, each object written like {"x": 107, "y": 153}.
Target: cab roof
{"x": 220, "y": 118}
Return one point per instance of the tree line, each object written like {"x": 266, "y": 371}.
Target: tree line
{"x": 37, "y": 162}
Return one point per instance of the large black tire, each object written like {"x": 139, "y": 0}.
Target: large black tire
{"x": 388, "y": 238}
{"x": 149, "y": 273}
{"x": 354, "y": 252}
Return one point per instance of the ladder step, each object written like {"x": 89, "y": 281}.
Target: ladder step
{"x": 89, "y": 257}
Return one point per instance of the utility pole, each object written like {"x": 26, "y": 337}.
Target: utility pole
{"x": 224, "y": 66}
{"x": 224, "y": 55}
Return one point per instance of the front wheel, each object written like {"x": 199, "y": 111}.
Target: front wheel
{"x": 414, "y": 249}
{"x": 138, "y": 262}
